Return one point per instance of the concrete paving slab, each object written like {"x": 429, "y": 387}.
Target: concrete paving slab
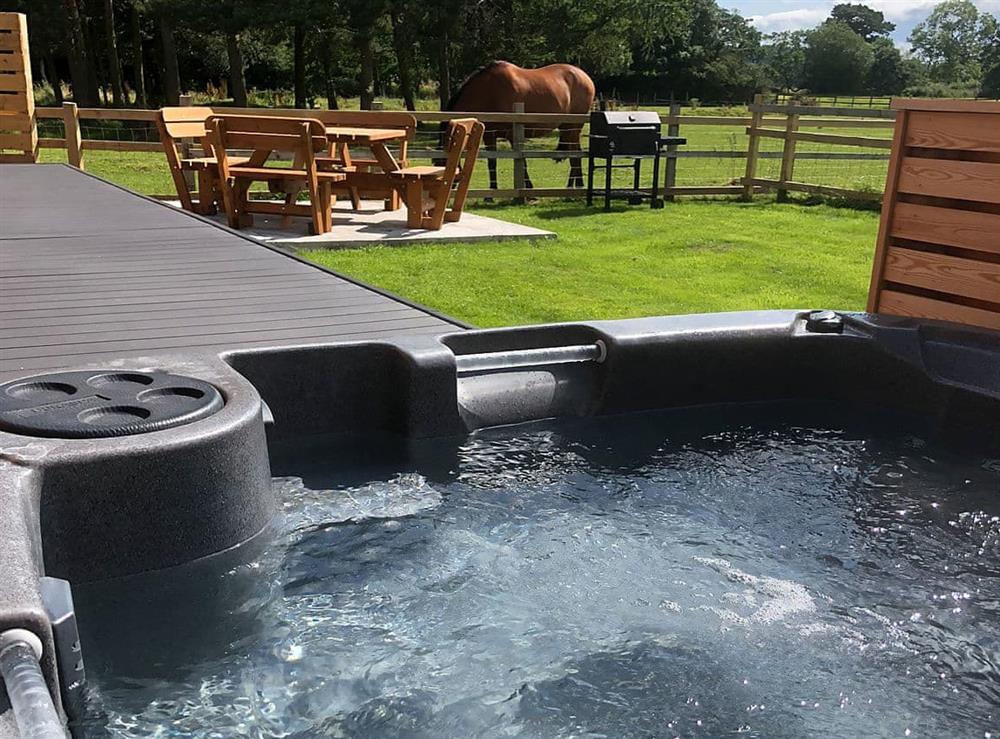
{"x": 372, "y": 224}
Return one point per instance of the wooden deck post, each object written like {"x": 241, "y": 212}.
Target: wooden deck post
{"x": 517, "y": 145}
{"x": 670, "y": 175}
{"x": 74, "y": 137}
{"x": 753, "y": 147}
{"x": 788, "y": 155}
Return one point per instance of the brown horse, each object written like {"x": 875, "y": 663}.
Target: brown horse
{"x": 556, "y": 88}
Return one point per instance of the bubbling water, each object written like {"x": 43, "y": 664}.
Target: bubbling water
{"x": 736, "y": 571}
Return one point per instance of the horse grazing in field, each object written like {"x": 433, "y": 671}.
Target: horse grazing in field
{"x": 556, "y": 88}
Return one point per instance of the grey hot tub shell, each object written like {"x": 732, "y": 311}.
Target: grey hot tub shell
{"x": 93, "y": 509}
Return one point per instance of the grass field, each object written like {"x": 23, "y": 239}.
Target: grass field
{"x": 692, "y": 256}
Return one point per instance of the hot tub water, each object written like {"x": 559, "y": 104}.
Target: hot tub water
{"x": 706, "y": 573}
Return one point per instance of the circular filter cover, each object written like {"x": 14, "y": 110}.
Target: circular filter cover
{"x": 102, "y": 403}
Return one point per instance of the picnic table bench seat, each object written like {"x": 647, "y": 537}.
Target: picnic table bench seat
{"x": 302, "y": 138}
{"x": 426, "y": 189}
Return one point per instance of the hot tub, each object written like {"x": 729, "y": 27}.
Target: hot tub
{"x": 770, "y": 523}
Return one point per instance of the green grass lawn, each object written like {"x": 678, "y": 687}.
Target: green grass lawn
{"x": 692, "y": 256}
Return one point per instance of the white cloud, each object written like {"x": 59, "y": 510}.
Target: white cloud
{"x": 897, "y": 11}
{"x": 790, "y": 20}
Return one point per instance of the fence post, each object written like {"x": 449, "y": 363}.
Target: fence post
{"x": 788, "y": 155}
{"x": 673, "y": 129}
{"x": 74, "y": 137}
{"x": 517, "y": 146}
{"x": 753, "y": 147}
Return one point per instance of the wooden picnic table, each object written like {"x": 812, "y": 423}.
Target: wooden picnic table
{"x": 341, "y": 138}
{"x": 377, "y": 140}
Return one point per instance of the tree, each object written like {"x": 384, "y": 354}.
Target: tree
{"x": 990, "y": 61}
{"x": 693, "y": 47}
{"x": 80, "y": 60}
{"x": 888, "y": 74}
{"x": 168, "y": 47}
{"x": 363, "y": 18}
{"x": 138, "y": 68}
{"x": 950, "y": 40}
{"x": 785, "y": 59}
{"x": 837, "y": 59}
{"x": 114, "y": 64}
{"x": 405, "y": 15}
{"x": 868, "y": 23}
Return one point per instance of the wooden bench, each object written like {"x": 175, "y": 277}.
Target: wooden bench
{"x": 426, "y": 190}
{"x": 190, "y": 123}
{"x": 301, "y": 138}
{"x": 938, "y": 252}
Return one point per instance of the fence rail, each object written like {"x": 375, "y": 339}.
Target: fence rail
{"x": 790, "y": 136}
{"x": 765, "y": 122}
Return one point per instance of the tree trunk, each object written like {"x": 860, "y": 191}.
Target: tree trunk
{"x": 403, "y": 44}
{"x": 77, "y": 53}
{"x": 367, "y": 53}
{"x": 237, "y": 78}
{"x": 138, "y": 71}
{"x": 96, "y": 77}
{"x": 444, "y": 72}
{"x": 114, "y": 63}
{"x": 326, "y": 56}
{"x": 171, "y": 71}
{"x": 52, "y": 74}
{"x": 299, "y": 64}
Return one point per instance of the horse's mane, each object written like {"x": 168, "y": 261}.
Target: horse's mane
{"x": 453, "y": 100}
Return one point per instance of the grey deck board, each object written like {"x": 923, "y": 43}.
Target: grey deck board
{"x": 89, "y": 271}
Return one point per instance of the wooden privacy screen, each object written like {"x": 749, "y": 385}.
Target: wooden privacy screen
{"x": 18, "y": 134}
{"x": 938, "y": 253}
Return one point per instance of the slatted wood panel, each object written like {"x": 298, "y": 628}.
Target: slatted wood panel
{"x": 108, "y": 273}
{"x": 18, "y": 133}
{"x": 938, "y": 252}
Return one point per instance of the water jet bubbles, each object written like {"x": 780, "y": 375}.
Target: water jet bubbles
{"x": 289, "y": 651}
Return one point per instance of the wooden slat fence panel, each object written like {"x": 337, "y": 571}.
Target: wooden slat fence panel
{"x": 19, "y": 137}
{"x": 938, "y": 251}
{"x": 948, "y": 178}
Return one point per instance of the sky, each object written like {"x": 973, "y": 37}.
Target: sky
{"x": 788, "y": 15}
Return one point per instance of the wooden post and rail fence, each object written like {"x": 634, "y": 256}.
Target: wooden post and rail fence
{"x": 792, "y": 125}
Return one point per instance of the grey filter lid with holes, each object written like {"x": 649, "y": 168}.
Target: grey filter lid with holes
{"x": 95, "y": 404}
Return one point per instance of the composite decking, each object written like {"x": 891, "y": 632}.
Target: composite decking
{"x": 90, "y": 271}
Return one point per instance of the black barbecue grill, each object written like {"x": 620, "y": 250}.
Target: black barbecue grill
{"x": 631, "y": 134}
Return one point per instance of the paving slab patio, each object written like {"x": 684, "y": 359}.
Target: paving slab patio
{"x": 372, "y": 224}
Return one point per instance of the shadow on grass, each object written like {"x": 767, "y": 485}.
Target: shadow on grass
{"x": 861, "y": 204}
{"x": 575, "y": 210}
{"x": 551, "y": 210}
